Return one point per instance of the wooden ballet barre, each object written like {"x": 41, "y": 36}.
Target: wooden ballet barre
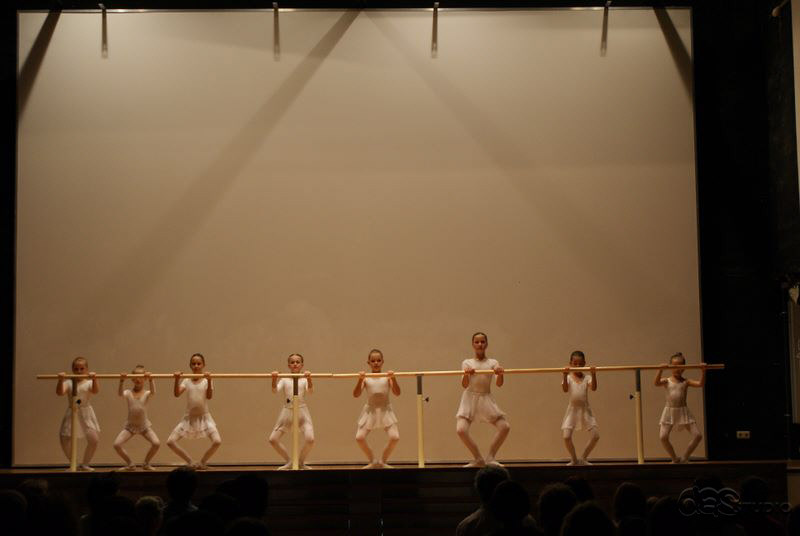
{"x": 528, "y": 370}
{"x": 245, "y": 375}
{"x": 214, "y": 375}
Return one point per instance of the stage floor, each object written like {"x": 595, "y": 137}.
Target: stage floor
{"x": 344, "y": 499}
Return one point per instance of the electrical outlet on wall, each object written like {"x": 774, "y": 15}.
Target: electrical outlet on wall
{"x": 742, "y": 434}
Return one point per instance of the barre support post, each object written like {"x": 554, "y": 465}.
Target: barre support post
{"x": 295, "y": 430}
{"x": 638, "y": 400}
{"x": 420, "y": 425}
{"x": 73, "y": 438}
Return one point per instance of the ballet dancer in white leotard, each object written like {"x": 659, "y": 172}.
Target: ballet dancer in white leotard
{"x": 579, "y": 415}
{"x": 285, "y": 387}
{"x": 676, "y": 413}
{"x": 377, "y": 412}
{"x": 197, "y": 422}
{"x": 477, "y": 402}
{"x": 137, "y": 422}
{"x": 88, "y": 426}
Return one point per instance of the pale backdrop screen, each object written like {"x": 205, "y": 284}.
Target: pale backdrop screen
{"x": 194, "y": 189}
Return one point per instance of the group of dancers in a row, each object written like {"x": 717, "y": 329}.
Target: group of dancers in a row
{"x": 477, "y": 404}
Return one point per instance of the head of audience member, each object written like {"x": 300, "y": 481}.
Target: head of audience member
{"x": 555, "y": 502}
{"x": 665, "y": 519}
{"x": 587, "y": 518}
{"x": 102, "y": 486}
{"x": 629, "y": 501}
{"x": 114, "y": 515}
{"x": 650, "y": 503}
{"x": 181, "y": 484}
{"x": 196, "y": 523}
{"x": 486, "y": 480}
{"x": 252, "y": 493}
{"x": 52, "y": 514}
{"x": 581, "y": 488}
{"x": 247, "y": 526}
{"x": 632, "y": 526}
{"x": 13, "y": 509}
{"x": 510, "y": 504}
{"x": 225, "y": 507}
{"x": 150, "y": 514}
{"x": 34, "y": 489}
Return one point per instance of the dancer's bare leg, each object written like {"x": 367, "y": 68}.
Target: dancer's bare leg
{"x": 503, "y": 428}
{"x": 394, "y": 437}
{"x": 570, "y": 446}
{"x": 696, "y": 437}
{"x": 595, "y": 437}
{"x": 172, "y": 443}
{"x": 151, "y": 436}
{"x": 664, "y": 436}
{"x": 361, "y": 439}
{"x": 121, "y": 439}
{"x": 216, "y": 441}
{"x": 462, "y": 429}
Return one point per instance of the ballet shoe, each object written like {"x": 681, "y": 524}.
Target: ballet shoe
{"x": 201, "y": 467}
{"x": 683, "y": 460}
{"x": 285, "y": 467}
{"x": 84, "y": 467}
{"x": 305, "y": 467}
{"x": 494, "y": 463}
{"x": 372, "y": 465}
{"x": 584, "y": 461}
{"x": 147, "y": 467}
{"x": 384, "y": 465}
{"x": 476, "y": 463}
{"x": 130, "y": 467}
{"x": 573, "y": 462}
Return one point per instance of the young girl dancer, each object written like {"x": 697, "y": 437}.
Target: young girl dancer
{"x": 87, "y": 420}
{"x": 477, "y": 402}
{"x": 377, "y": 412}
{"x": 579, "y": 415}
{"x": 676, "y": 413}
{"x": 137, "y": 422}
{"x": 285, "y": 386}
{"x": 197, "y": 421}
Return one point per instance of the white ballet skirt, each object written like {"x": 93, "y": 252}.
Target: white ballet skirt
{"x": 284, "y": 422}
{"x": 477, "y": 402}
{"x": 197, "y": 421}
{"x": 137, "y": 422}
{"x": 579, "y": 415}
{"x": 377, "y": 412}
{"x": 676, "y": 413}
{"x": 86, "y": 416}
{"x": 285, "y": 388}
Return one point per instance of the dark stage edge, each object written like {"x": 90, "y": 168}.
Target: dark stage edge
{"x": 406, "y": 500}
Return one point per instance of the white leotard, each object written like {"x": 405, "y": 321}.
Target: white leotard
{"x": 86, "y": 416}
{"x": 477, "y": 401}
{"x": 137, "y": 422}
{"x": 676, "y": 412}
{"x": 579, "y": 415}
{"x": 197, "y": 421}
{"x": 285, "y": 388}
{"x": 377, "y": 412}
